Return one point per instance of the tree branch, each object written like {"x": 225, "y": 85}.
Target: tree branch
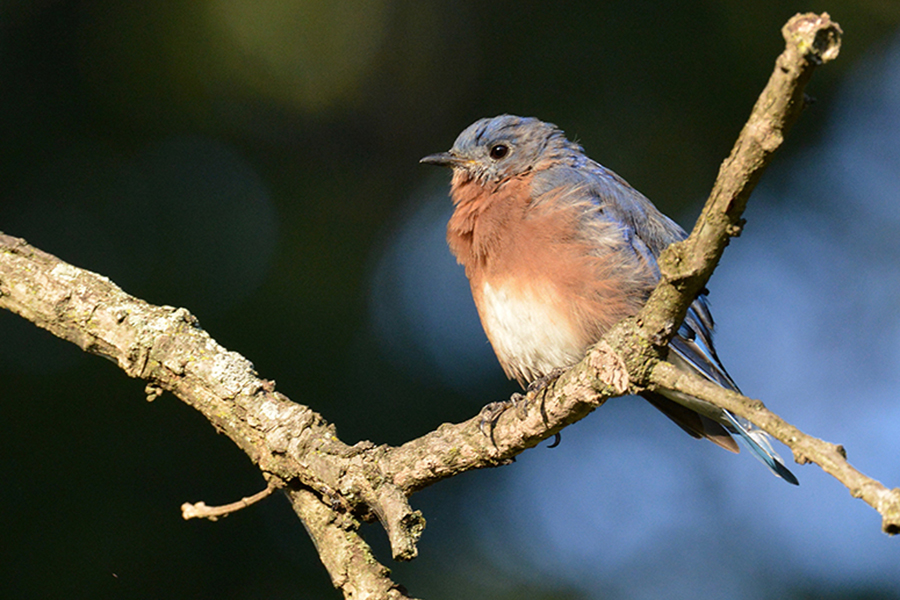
{"x": 685, "y": 267}
{"x": 332, "y": 485}
{"x": 293, "y": 445}
{"x": 199, "y": 510}
{"x": 348, "y": 559}
{"x": 455, "y": 448}
{"x": 831, "y": 457}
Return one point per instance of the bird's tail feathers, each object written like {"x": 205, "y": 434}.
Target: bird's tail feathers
{"x": 758, "y": 443}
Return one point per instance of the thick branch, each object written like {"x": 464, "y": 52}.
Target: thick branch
{"x": 165, "y": 346}
{"x": 454, "y": 448}
{"x": 293, "y": 445}
{"x": 348, "y": 559}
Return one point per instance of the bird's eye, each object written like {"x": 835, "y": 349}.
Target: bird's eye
{"x": 499, "y": 151}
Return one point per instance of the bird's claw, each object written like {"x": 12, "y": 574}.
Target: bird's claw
{"x": 541, "y": 383}
{"x": 489, "y": 415}
{"x": 491, "y": 412}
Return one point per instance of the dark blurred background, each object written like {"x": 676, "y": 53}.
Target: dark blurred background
{"x": 256, "y": 162}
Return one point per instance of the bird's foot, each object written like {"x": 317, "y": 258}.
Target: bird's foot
{"x": 542, "y": 382}
{"x": 491, "y": 413}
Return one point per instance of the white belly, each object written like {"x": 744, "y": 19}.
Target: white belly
{"x": 530, "y": 335}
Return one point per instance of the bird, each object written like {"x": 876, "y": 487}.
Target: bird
{"x": 557, "y": 249}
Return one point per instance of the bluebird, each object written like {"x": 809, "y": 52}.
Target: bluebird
{"x": 557, "y": 249}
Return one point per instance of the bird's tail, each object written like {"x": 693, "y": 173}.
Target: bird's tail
{"x": 758, "y": 443}
{"x": 692, "y": 350}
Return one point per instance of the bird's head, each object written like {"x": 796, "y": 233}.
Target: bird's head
{"x": 492, "y": 150}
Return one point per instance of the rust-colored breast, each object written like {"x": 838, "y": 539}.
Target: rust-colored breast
{"x": 544, "y": 290}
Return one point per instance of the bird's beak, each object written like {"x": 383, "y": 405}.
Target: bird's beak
{"x": 443, "y": 159}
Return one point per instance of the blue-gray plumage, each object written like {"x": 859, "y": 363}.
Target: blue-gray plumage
{"x": 557, "y": 249}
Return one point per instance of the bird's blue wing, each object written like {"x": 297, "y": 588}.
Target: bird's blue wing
{"x": 652, "y": 232}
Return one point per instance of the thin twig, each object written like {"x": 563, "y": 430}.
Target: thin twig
{"x": 806, "y": 448}
{"x": 200, "y": 510}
